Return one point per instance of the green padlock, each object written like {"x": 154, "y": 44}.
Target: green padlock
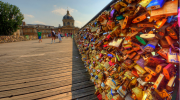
{"x": 140, "y": 40}
{"x": 120, "y": 17}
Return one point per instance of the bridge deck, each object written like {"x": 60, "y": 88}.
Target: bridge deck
{"x": 32, "y": 70}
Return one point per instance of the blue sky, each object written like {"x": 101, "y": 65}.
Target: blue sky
{"x": 51, "y": 12}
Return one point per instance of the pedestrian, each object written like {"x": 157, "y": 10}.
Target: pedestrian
{"x": 67, "y": 35}
{"x": 53, "y": 35}
{"x": 59, "y": 35}
{"x": 39, "y": 35}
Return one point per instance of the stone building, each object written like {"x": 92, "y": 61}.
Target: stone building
{"x": 68, "y": 24}
{"x": 68, "y": 27}
{"x": 31, "y": 29}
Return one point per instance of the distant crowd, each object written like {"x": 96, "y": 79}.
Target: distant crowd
{"x": 59, "y": 35}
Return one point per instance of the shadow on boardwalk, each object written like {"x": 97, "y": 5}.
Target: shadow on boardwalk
{"x": 85, "y": 87}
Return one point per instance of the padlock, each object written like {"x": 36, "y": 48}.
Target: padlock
{"x": 125, "y": 85}
{"x": 123, "y": 4}
{"x": 144, "y": 3}
{"x": 141, "y": 82}
{"x": 170, "y": 84}
{"x": 171, "y": 33}
{"x": 134, "y": 28}
{"x": 150, "y": 78}
{"x": 110, "y": 24}
{"x": 163, "y": 94}
{"x": 151, "y": 95}
{"x": 164, "y": 43}
{"x": 169, "y": 8}
{"x": 132, "y": 55}
{"x": 155, "y": 4}
{"x": 123, "y": 9}
{"x": 120, "y": 17}
{"x": 131, "y": 6}
{"x": 169, "y": 71}
{"x": 151, "y": 45}
{"x": 140, "y": 62}
{"x": 145, "y": 25}
{"x": 128, "y": 74}
{"x": 148, "y": 36}
{"x": 160, "y": 23}
{"x": 138, "y": 93}
{"x": 117, "y": 6}
{"x": 150, "y": 71}
{"x": 173, "y": 57}
{"x": 153, "y": 61}
{"x": 140, "y": 69}
{"x": 122, "y": 92}
{"x": 127, "y": 22}
{"x": 134, "y": 72}
{"x": 129, "y": 1}
{"x": 140, "y": 18}
{"x": 159, "y": 82}
{"x": 163, "y": 52}
{"x": 137, "y": 57}
{"x": 160, "y": 67}
{"x": 140, "y": 40}
{"x": 110, "y": 83}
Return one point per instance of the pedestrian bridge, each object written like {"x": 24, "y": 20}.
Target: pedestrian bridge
{"x": 43, "y": 71}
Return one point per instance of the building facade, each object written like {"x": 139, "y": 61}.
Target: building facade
{"x": 68, "y": 27}
{"x": 68, "y": 24}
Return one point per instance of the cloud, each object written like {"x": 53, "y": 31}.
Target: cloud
{"x": 62, "y": 11}
{"x": 79, "y": 23}
{"x": 26, "y": 16}
{"x": 38, "y": 22}
{"x": 54, "y": 5}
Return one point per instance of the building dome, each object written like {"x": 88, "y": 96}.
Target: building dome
{"x": 68, "y": 16}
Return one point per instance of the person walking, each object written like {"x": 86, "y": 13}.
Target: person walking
{"x": 65, "y": 35}
{"x": 53, "y": 35}
{"x": 59, "y": 35}
{"x": 39, "y": 35}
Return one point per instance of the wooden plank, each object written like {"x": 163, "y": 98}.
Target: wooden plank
{"x": 41, "y": 74}
{"x": 51, "y": 92}
{"x": 38, "y": 66}
{"x": 38, "y": 88}
{"x": 72, "y": 94}
{"x": 34, "y": 70}
{"x": 89, "y": 97}
{"x": 41, "y": 82}
{"x": 26, "y": 80}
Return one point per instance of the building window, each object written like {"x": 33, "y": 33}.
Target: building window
{"x": 68, "y": 23}
{"x": 64, "y": 24}
{"x": 72, "y": 23}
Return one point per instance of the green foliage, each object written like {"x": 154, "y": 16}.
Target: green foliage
{"x": 10, "y": 18}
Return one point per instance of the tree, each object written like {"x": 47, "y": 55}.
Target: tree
{"x": 10, "y": 18}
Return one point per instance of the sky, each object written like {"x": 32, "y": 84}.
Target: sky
{"x": 51, "y": 12}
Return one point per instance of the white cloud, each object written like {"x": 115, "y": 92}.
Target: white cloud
{"x": 38, "y": 22}
{"x": 79, "y": 23}
{"x": 62, "y": 11}
{"x": 26, "y": 16}
{"x": 54, "y": 5}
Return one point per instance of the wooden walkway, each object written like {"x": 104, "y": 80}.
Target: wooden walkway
{"x": 30, "y": 70}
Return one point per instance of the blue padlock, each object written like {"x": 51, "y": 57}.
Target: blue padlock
{"x": 155, "y": 4}
{"x": 171, "y": 18}
{"x": 110, "y": 55}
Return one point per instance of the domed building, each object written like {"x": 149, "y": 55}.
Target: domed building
{"x": 68, "y": 24}
{"x": 68, "y": 27}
